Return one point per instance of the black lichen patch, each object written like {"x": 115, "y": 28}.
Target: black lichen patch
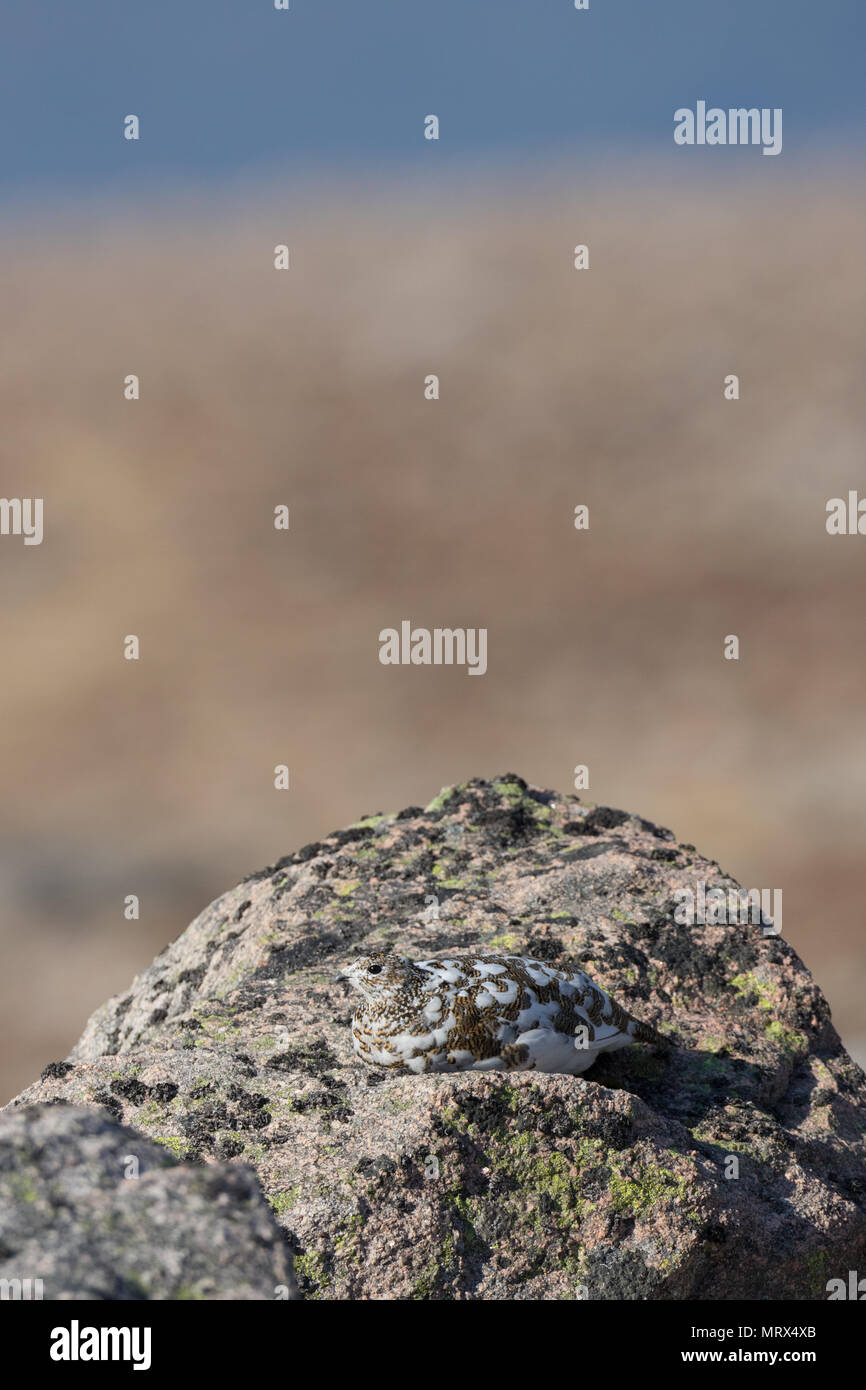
{"x": 313, "y": 1059}
{"x": 489, "y": 1113}
{"x": 352, "y": 834}
{"x": 204, "y": 1088}
{"x": 121, "y": 1009}
{"x": 249, "y": 999}
{"x": 657, "y": 921}
{"x": 614, "y": 1129}
{"x": 277, "y": 870}
{"x": 237, "y": 1112}
{"x": 304, "y": 854}
{"x": 248, "y": 1109}
{"x": 56, "y": 1071}
{"x": 193, "y": 976}
{"x": 547, "y": 948}
{"x": 602, "y": 818}
{"x": 660, "y": 832}
{"x": 330, "y": 1105}
{"x": 163, "y": 1091}
{"x": 379, "y": 1167}
{"x": 501, "y": 814}
{"x": 469, "y": 795}
{"x": 307, "y": 951}
{"x": 129, "y": 1089}
{"x": 504, "y": 826}
{"x": 110, "y": 1103}
{"x": 228, "y": 1146}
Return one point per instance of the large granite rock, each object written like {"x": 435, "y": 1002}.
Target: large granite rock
{"x": 92, "y": 1210}
{"x": 732, "y": 1165}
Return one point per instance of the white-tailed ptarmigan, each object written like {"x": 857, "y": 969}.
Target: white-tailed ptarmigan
{"x": 484, "y": 1012}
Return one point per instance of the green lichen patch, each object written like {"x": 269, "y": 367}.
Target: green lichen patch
{"x": 644, "y": 1188}
{"x": 505, "y": 941}
{"x": 751, "y": 990}
{"x": 789, "y": 1039}
{"x": 283, "y": 1201}
{"x": 345, "y": 890}
{"x": 313, "y": 1271}
{"x": 447, "y": 795}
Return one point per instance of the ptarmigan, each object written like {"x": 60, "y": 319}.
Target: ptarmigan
{"x": 484, "y": 1012}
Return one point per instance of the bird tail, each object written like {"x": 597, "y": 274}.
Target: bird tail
{"x": 626, "y": 1025}
{"x": 643, "y": 1032}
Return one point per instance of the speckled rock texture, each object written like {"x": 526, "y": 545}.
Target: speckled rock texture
{"x": 732, "y": 1165}
{"x": 93, "y": 1210}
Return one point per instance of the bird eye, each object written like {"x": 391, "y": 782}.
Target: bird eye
{"x": 374, "y": 970}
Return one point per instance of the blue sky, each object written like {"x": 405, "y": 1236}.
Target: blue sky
{"x": 229, "y": 87}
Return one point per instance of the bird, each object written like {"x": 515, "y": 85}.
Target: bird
{"x": 484, "y": 1012}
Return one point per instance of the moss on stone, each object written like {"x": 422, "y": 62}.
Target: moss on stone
{"x": 817, "y": 1267}
{"x": 788, "y": 1038}
{"x": 446, "y": 793}
{"x": 311, "y": 1269}
{"x": 174, "y": 1143}
{"x": 516, "y": 797}
{"x": 648, "y": 1188}
{"x": 749, "y": 984}
{"x": 282, "y": 1202}
{"x": 347, "y": 1242}
{"x": 506, "y": 941}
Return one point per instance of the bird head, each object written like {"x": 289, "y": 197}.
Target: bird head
{"x": 379, "y": 974}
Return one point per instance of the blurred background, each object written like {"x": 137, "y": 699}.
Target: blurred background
{"x": 411, "y": 257}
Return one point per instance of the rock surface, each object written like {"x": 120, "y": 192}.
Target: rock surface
{"x": 732, "y": 1165}
{"x": 94, "y": 1210}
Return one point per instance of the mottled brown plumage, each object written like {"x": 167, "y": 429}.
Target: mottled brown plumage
{"x": 484, "y": 1012}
